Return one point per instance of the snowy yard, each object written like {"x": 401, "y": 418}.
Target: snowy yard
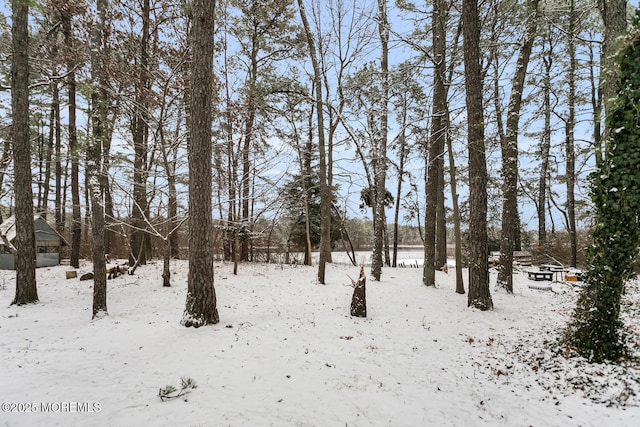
{"x": 287, "y": 353}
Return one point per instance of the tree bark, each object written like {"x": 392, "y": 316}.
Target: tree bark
{"x": 246, "y": 149}
{"x": 25, "y": 257}
{"x": 479, "y": 294}
{"x": 359, "y": 298}
{"x": 441, "y": 218}
{"x": 436, "y": 142}
{"x": 54, "y": 133}
{"x": 76, "y": 221}
{"x": 509, "y": 146}
{"x": 325, "y": 191}
{"x": 545, "y": 146}
{"x": 140, "y": 132}
{"x": 201, "y": 305}
{"x": 404, "y": 152}
{"x": 614, "y": 17}
{"x": 570, "y": 137}
{"x": 456, "y": 212}
{"x": 4, "y": 162}
{"x": 94, "y": 160}
{"x": 380, "y": 154}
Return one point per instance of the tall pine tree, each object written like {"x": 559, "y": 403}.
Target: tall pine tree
{"x": 201, "y": 302}
{"x": 26, "y": 291}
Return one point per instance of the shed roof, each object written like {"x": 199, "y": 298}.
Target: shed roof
{"x": 42, "y": 229}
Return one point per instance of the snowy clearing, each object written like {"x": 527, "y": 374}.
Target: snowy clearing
{"x": 287, "y": 353}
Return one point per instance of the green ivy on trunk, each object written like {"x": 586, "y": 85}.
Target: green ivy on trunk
{"x": 596, "y": 331}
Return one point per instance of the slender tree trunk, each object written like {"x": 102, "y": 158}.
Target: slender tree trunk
{"x": 570, "y": 137}
{"x": 396, "y": 216}
{"x": 307, "y": 173}
{"x": 232, "y": 166}
{"x": 140, "y": 130}
{"x": 169, "y": 167}
{"x": 58, "y": 203}
{"x": 58, "y": 144}
{"x": 173, "y": 194}
{"x": 325, "y": 191}
{"x": 479, "y": 294}
{"x": 25, "y": 256}
{"x": 4, "y": 162}
{"x": 545, "y": 146}
{"x": 441, "y": 218}
{"x": 305, "y": 180}
{"x": 387, "y": 256}
{"x": 380, "y": 154}
{"x": 436, "y": 142}
{"x": 456, "y": 210}
{"x": 87, "y": 199}
{"x": 106, "y": 165}
{"x": 201, "y": 305}
{"x": 246, "y": 151}
{"x": 53, "y": 134}
{"x": 41, "y": 152}
{"x": 94, "y": 161}
{"x": 596, "y": 104}
{"x": 76, "y": 216}
{"x": 509, "y": 146}
{"x": 166, "y": 270}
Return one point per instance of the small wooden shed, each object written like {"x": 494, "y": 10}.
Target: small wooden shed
{"x": 48, "y": 243}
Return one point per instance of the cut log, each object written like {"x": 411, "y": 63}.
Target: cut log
{"x": 359, "y": 299}
{"x": 86, "y": 276}
{"x": 71, "y": 274}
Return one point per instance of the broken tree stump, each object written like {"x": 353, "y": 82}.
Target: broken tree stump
{"x": 359, "y": 299}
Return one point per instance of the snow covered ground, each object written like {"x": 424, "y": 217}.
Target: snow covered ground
{"x": 287, "y": 353}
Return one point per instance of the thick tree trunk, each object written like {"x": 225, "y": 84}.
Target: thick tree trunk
{"x": 25, "y": 257}
{"x": 597, "y": 330}
{"x": 614, "y": 16}
{"x": 201, "y": 305}
{"x": 479, "y": 294}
